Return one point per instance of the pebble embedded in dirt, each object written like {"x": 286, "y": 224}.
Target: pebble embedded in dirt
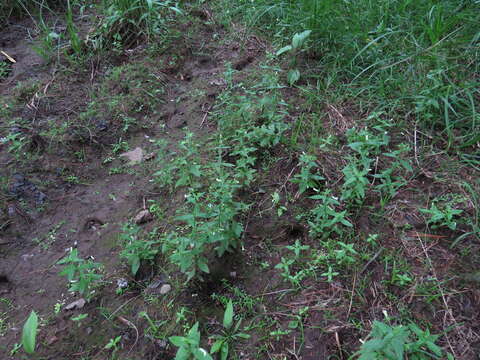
{"x": 134, "y": 156}
{"x": 165, "y": 289}
{"x": 78, "y": 304}
{"x": 143, "y": 217}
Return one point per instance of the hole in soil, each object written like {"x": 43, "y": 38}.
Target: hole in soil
{"x": 4, "y": 279}
{"x": 220, "y": 269}
{"x": 295, "y": 231}
{"x": 242, "y": 64}
{"x": 92, "y": 224}
{"x": 206, "y": 62}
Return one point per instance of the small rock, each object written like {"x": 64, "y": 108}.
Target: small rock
{"x": 11, "y": 210}
{"x": 135, "y": 156}
{"x": 150, "y": 156}
{"x": 40, "y": 197}
{"x": 143, "y": 217}
{"x": 161, "y": 343}
{"x": 122, "y": 283}
{"x": 52, "y": 339}
{"x": 165, "y": 289}
{"x": 101, "y": 124}
{"x": 78, "y": 304}
{"x": 25, "y": 257}
{"x": 89, "y": 330}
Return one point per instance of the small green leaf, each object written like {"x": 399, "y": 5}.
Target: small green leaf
{"x": 299, "y": 39}
{"x": 178, "y": 341}
{"x": 202, "y": 265}
{"x": 183, "y": 354}
{"x": 293, "y": 324}
{"x": 224, "y": 351}
{"x": 135, "y": 264}
{"x": 228, "y": 316}
{"x": 293, "y": 76}
{"x": 201, "y": 354}
{"x": 29, "y": 333}
{"x": 216, "y": 346}
{"x": 194, "y": 334}
{"x": 284, "y": 50}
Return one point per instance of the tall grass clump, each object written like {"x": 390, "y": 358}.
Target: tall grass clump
{"x": 17, "y": 9}
{"x": 416, "y": 60}
{"x": 126, "y": 21}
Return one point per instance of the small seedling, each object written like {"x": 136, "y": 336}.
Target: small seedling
{"x": 330, "y": 274}
{"x": 230, "y": 334}
{"x": 79, "y": 318}
{"x": 296, "y": 45}
{"x": 325, "y": 219}
{"x": 307, "y": 178}
{"x": 398, "y": 342}
{"x": 189, "y": 346}
{"x": 113, "y": 344}
{"x": 442, "y": 217}
{"x": 136, "y": 250}
{"x": 81, "y": 274}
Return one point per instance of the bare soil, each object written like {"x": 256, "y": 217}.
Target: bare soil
{"x": 43, "y": 214}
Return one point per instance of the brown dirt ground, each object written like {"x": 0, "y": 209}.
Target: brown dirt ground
{"x": 36, "y": 233}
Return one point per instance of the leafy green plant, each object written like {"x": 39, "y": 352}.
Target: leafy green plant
{"x": 185, "y": 165}
{"x": 324, "y": 219}
{"x": 72, "y": 31}
{"x": 5, "y": 70}
{"x": 396, "y": 342}
{"x": 290, "y": 267}
{"x": 154, "y": 329}
{"x": 135, "y": 250}
{"x": 365, "y": 145}
{"x": 288, "y": 273}
{"x": 189, "y": 346}
{"x": 113, "y": 344}
{"x": 79, "y": 318}
{"x": 382, "y": 62}
{"x": 330, "y": 274}
{"x": 210, "y": 219}
{"x": 29, "y": 333}
{"x": 18, "y": 145}
{"x": 345, "y": 254}
{"x": 82, "y": 274}
{"x": 307, "y": 178}
{"x": 356, "y": 182}
{"x": 298, "y": 41}
{"x": 246, "y": 303}
{"x": 231, "y": 335}
{"x": 443, "y": 216}
{"x": 48, "y": 42}
{"x": 127, "y": 21}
